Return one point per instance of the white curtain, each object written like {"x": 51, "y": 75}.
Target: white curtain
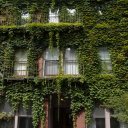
{"x": 70, "y": 62}
{"x": 20, "y": 67}
{"x": 51, "y": 57}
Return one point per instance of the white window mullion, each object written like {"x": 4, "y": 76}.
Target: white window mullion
{"x": 107, "y": 118}
{"x": 16, "y": 121}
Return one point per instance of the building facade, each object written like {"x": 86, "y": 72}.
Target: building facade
{"x": 61, "y": 62}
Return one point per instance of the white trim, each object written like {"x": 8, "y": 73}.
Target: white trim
{"x": 16, "y": 121}
{"x": 107, "y": 118}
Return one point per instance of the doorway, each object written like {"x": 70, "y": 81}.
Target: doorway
{"x": 60, "y": 115}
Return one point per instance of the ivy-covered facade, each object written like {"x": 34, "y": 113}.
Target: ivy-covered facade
{"x": 61, "y": 62}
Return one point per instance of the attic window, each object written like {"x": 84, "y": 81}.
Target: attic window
{"x": 71, "y": 11}
{"x": 25, "y": 16}
{"x": 53, "y": 16}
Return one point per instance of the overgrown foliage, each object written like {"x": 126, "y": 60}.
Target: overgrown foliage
{"x": 106, "y": 29}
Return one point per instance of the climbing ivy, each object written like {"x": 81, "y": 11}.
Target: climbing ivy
{"x": 91, "y": 87}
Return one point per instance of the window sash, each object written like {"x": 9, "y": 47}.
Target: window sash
{"x": 100, "y": 122}
{"x": 20, "y": 68}
{"x": 51, "y": 67}
{"x": 25, "y": 122}
{"x": 7, "y": 123}
{"x": 71, "y": 67}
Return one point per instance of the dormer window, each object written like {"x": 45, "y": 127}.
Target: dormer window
{"x": 71, "y": 11}
{"x": 53, "y": 16}
{"x": 25, "y": 18}
{"x": 20, "y": 65}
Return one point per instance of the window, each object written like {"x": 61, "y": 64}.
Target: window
{"x": 23, "y": 118}
{"x": 53, "y": 16}
{"x": 20, "y": 66}
{"x": 6, "y": 110}
{"x": 52, "y": 59}
{"x": 51, "y": 62}
{"x": 105, "y": 60}
{"x": 70, "y": 62}
{"x": 102, "y": 118}
{"x": 71, "y": 11}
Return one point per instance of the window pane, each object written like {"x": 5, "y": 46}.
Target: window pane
{"x": 7, "y": 123}
{"x": 104, "y": 54}
{"x": 20, "y": 69}
{"x": 70, "y": 54}
{"x": 20, "y": 66}
{"x": 71, "y": 67}
{"x": 100, "y": 123}
{"x": 25, "y": 122}
{"x": 51, "y": 54}
{"x": 21, "y": 55}
{"x": 105, "y": 60}
{"x": 5, "y": 107}
{"x": 114, "y": 123}
{"x": 70, "y": 62}
{"x": 51, "y": 68}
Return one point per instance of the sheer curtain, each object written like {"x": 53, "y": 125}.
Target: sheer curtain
{"x": 51, "y": 62}
{"x": 20, "y": 67}
{"x": 70, "y": 62}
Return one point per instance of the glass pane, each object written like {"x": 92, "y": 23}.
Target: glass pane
{"x": 70, "y": 54}
{"x": 71, "y": 67}
{"x": 25, "y": 122}
{"x": 5, "y": 107}
{"x": 20, "y": 69}
{"x": 51, "y": 54}
{"x": 100, "y": 123}
{"x": 104, "y": 54}
{"x": 21, "y": 55}
{"x": 22, "y": 111}
{"x": 51, "y": 68}
{"x": 114, "y": 123}
{"x": 7, "y": 123}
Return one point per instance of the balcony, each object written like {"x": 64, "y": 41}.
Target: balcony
{"x": 51, "y": 17}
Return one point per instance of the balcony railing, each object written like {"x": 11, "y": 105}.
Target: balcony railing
{"x": 41, "y": 19}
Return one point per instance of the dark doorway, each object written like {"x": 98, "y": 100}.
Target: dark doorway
{"x": 60, "y": 115}
{"x": 64, "y": 120}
